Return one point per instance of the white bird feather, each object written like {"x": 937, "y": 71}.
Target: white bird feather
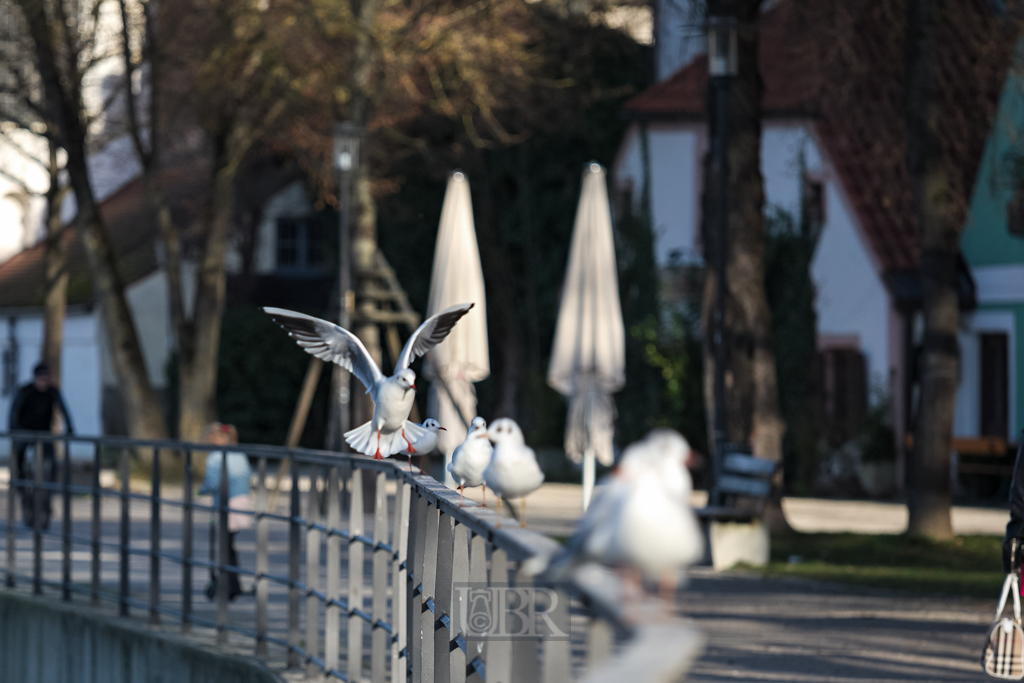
{"x": 390, "y": 430}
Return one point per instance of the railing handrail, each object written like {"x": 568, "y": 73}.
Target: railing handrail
{"x": 521, "y": 544}
{"x": 599, "y": 590}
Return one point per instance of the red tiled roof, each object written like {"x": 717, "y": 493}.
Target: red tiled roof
{"x": 132, "y": 227}
{"x": 791, "y": 83}
{"x": 842, "y": 62}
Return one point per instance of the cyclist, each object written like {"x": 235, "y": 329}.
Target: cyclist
{"x": 32, "y": 410}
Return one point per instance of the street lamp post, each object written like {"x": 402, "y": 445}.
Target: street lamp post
{"x": 722, "y": 66}
{"x": 347, "y": 137}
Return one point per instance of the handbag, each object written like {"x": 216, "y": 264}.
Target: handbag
{"x": 1003, "y": 656}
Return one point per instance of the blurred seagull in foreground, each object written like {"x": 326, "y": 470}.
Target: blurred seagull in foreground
{"x": 513, "y": 471}
{"x": 641, "y": 520}
{"x": 471, "y": 458}
{"x": 426, "y": 443}
{"x": 389, "y": 431}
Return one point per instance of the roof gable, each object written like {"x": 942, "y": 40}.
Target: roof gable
{"x": 842, "y": 62}
{"x": 132, "y": 226}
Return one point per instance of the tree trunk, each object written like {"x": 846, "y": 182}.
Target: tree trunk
{"x": 928, "y": 475}
{"x": 56, "y": 256}
{"x": 364, "y": 259}
{"x": 64, "y": 105}
{"x": 752, "y": 397}
{"x": 200, "y": 347}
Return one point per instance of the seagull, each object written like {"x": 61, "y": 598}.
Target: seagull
{"x": 426, "y": 443}
{"x": 513, "y": 471}
{"x": 641, "y": 519}
{"x": 471, "y": 458}
{"x": 389, "y": 431}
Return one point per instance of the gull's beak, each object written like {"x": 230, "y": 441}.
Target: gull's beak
{"x": 413, "y": 387}
{"x": 442, "y": 429}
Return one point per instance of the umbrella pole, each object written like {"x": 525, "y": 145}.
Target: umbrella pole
{"x": 588, "y": 476}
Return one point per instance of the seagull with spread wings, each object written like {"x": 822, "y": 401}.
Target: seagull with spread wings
{"x": 390, "y": 431}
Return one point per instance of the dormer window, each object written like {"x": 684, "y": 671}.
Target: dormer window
{"x": 300, "y": 244}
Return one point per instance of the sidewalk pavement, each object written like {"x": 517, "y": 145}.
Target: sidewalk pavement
{"x": 555, "y": 508}
{"x": 780, "y": 629}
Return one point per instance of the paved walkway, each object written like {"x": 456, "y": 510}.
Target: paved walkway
{"x": 555, "y": 508}
{"x": 796, "y": 630}
{"x": 757, "y": 629}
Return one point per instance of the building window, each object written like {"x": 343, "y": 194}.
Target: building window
{"x": 844, "y": 381}
{"x": 300, "y": 244}
{"x": 995, "y": 373}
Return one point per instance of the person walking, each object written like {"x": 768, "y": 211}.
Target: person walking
{"x": 1015, "y": 527}
{"x": 32, "y": 410}
{"x": 239, "y": 474}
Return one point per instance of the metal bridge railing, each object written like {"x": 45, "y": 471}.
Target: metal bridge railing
{"x": 362, "y": 571}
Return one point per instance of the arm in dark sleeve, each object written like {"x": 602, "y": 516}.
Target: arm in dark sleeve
{"x": 16, "y": 404}
{"x": 59, "y": 400}
{"x": 1015, "y": 527}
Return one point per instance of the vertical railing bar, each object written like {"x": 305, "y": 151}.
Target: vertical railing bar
{"x": 154, "y": 541}
{"x": 222, "y": 551}
{"x": 332, "y": 615}
{"x": 125, "y": 534}
{"x": 459, "y": 577}
{"x": 312, "y": 574}
{"x": 399, "y": 584}
{"x": 94, "y": 591}
{"x": 355, "y": 577}
{"x": 525, "y": 651}
{"x": 12, "y": 496}
{"x": 294, "y": 547}
{"x": 262, "y": 560}
{"x": 428, "y": 617}
{"x": 186, "y": 544}
{"x": 499, "y": 651}
{"x": 38, "y": 464}
{"x": 600, "y": 640}
{"x": 379, "y": 637}
{"x": 556, "y": 658}
{"x": 65, "y": 578}
{"x": 477, "y": 575}
{"x": 443, "y": 600}
{"x": 414, "y": 638}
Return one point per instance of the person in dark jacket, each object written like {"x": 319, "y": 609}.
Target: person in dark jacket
{"x": 1015, "y": 527}
{"x": 32, "y": 410}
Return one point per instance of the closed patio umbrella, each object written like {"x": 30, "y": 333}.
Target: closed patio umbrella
{"x": 588, "y": 360}
{"x": 461, "y": 359}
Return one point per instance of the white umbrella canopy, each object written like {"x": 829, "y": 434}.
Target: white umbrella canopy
{"x": 462, "y": 358}
{"x": 588, "y": 360}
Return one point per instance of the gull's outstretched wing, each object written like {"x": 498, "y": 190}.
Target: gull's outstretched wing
{"x": 431, "y": 333}
{"x": 328, "y": 342}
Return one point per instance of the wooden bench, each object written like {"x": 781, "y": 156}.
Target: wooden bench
{"x": 733, "y": 528}
{"x": 746, "y": 480}
{"x": 987, "y": 455}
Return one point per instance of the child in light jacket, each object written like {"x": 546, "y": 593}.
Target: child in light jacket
{"x": 239, "y": 496}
